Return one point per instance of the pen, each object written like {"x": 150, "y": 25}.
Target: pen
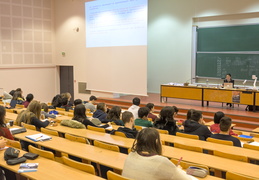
{"x": 39, "y": 137}
{"x": 179, "y": 161}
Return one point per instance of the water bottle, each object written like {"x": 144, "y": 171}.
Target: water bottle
{"x": 207, "y": 83}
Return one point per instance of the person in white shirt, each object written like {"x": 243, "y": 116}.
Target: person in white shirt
{"x": 135, "y": 107}
{"x": 145, "y": 160}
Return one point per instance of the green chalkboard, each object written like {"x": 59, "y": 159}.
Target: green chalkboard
{"x": 230, "y": 38}
{"x": 240, "y": 66}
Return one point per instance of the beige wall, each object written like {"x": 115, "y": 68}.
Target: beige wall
{"x": 26, "y": 47}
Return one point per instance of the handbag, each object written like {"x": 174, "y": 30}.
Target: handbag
{"x": 196, "y": 171}
{"x": 30, "y": 155}
{"x": 11, "y": 153}
{"x": 16, "y": 160}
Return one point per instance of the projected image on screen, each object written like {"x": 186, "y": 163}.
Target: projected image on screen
{"x": 116, "y": 23}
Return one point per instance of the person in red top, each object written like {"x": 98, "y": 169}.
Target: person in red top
{"x": 214, "y": 128}
{"x": 4, "y": 131}
{"x": 150, "y": 106}
{"x": 29, "y": 98}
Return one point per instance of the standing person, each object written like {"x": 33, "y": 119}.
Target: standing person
{"x": 29, "y": 98}
{"x": 225, "y": 126}
{"x": 142, "y": 120}
{"x": 166, "y": 120}
{"x": 100, "y": 113}
{"x": 90, "y": 104}
{"x": 151, "y": 107}
{"x": 114, "y": 115}
{"x": 4, "y": 131}
{"x": 195, "y": 125}
{"x": 128, "y": 129}
{"x": 135, "y": 107}
{"x": 146, "y": 162}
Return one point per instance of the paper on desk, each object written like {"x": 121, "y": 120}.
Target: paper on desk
{"x": 3, "y": 148}
{"x": 254, "y": 143}
{"x": 109, "y": 128}
{"x": 11, "y": 129}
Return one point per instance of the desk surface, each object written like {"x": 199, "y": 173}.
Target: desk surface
{"x": 171, "y": 152}
{"x": 49, "y": 169}
{"x": 102, "y": 156}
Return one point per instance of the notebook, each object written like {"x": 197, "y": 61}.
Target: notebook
{"x": 38, "y": 137}
{"x": 28, "y": 167}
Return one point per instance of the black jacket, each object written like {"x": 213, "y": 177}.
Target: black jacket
{"x": 170, "y": 126}
{"x": 193, "y": 127}
{"x": 130, "y": 133}
{"x": 101, "y": 116}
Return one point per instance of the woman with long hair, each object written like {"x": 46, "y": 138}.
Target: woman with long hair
{"x": 166, "y": 120}
{"x": 114, "y": 115}
{"x": 80, "y": 115}
{"x": 4, "y": 131}
{"x": 146, "y": 162}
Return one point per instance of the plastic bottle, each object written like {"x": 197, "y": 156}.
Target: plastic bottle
{"x": 207, "y": 83}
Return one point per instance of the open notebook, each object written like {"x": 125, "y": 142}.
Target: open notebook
{"x": 38, "y": 137}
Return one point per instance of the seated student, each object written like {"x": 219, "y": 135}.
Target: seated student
{"x": 56, "y": 101}
{"x": 214, "y": 128}
{"x": 32, "y": 116}
{"x": 150, "y": 106}
{"x": 146, "y": 162}
{"x": 225, "y": 126}
{"x": 128, "y": 129}
{"x": 17, "y": 99}
{"x": 100, "y": 113}
{"x": 68, "y": 96}
{"x": 4, "y": 131}
{"x": 135, "y": 107}
{"x": 90, "y": 104}
{"x": 166, "y": 120}
{"x": 45, "y": 111}
{"x": 20, "y": 90}
{"x": 114, "y": 115}
{"x": 195, "y": 125}
{"x": 64, "y": 104}
{"x": 176, "y": 110}
{"x": 79, "y": 115}
{"x": 78, "y": 101}
{"x": 29, "y": 98}
{"x": 142, "y": 120}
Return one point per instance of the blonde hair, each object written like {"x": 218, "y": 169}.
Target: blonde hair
{"x": 33, "y": 110}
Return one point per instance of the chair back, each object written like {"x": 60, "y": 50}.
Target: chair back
{"x": 78, "y": 165}
{"x": 19, "y": 106}
{"x": 185, "y": 164}
{"x": 70, "y": 114}
{"x": 230, "y": 156}
{"x": 77, "y": 138}
{"x": 150, "y": 119}
{"x": 249, "y": 146}
{"x": 106, "y": 146}
{"x": 15, "y": 144}
{"x": 219, "y": 141}
{"x": 236, "y": 176}
{"x": 9, "y": 110}
{"x": 191, "y": 136}
{"x": 139, "y": 128}
{"x": 245, "y": 139}
{"x": 187, "y": 147}
{"x": 118, "y": 133}
{"x": 161, "y": 131}
{"x": 96, "y": 129}
{"x": 42, "y": 153}
{"x": 47, "y": 131}
{"x": 29, "y": 126}
{"x": 254, "y": 135}
{"x": 114, "y": 176}
{"x": 237, "y": 132}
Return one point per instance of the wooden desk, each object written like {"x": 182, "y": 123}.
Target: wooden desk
{"x": 102, "y": 156}
{"x": 225, "y": 95}
{"x": 182, "y": 92}
{"x": 49, "y": 169}
{"x": 209, "y": 94}
{"x": 116, "y": 160}
{"x": 127, "y": 142}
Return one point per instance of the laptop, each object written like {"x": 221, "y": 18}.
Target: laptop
{"x": 228, "y": 85}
